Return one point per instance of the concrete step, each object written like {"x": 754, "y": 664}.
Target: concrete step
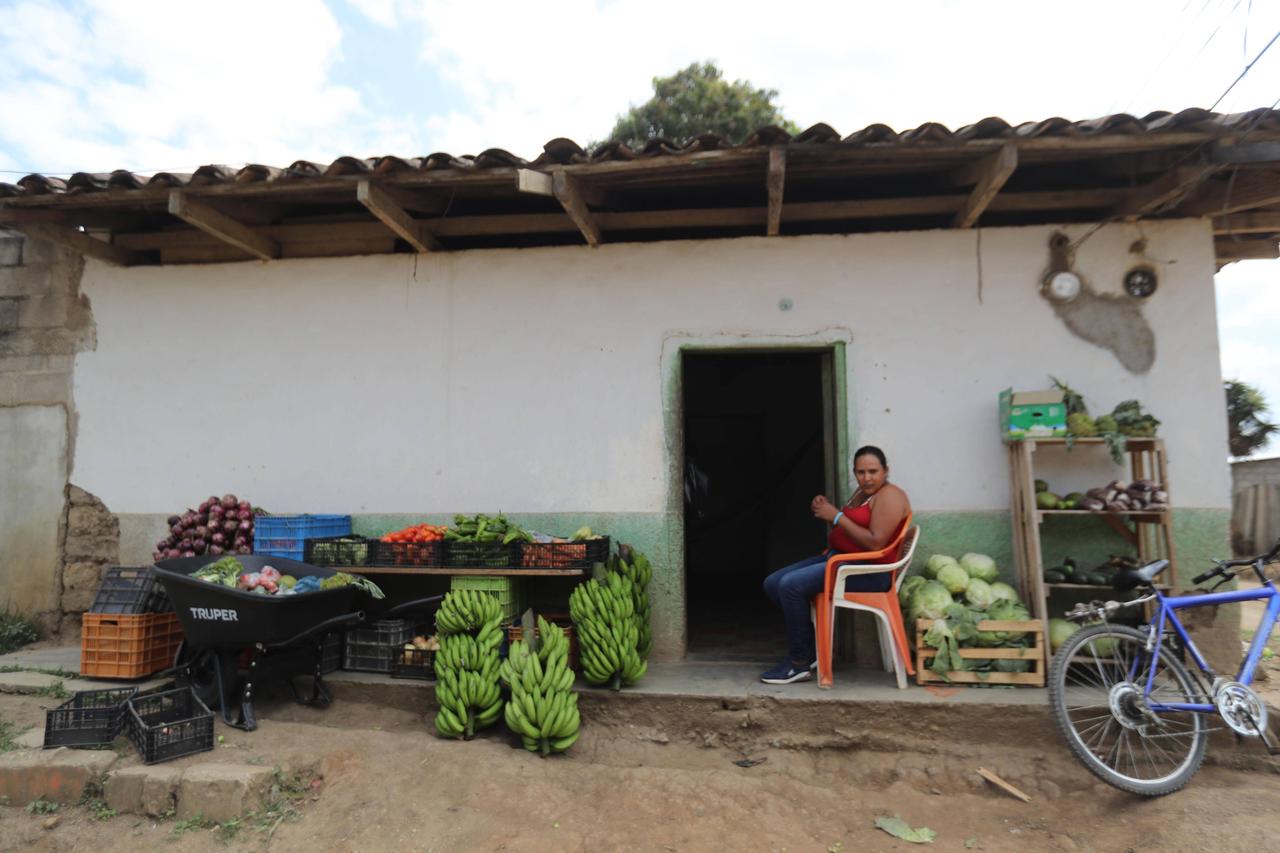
{"x": 57, "y": 775}
{"x": 213, "y": 791}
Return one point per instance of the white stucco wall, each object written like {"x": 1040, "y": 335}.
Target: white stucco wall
{"x": 531, "y": 380}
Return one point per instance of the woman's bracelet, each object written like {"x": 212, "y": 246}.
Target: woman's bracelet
{"x": 836, "y": 520}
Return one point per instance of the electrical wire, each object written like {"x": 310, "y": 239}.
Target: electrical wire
{"x": 1246, "y": 71}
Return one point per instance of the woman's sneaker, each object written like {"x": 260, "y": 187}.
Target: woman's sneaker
{"x": 786, "y": 673}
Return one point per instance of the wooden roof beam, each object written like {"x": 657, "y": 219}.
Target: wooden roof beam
{"x": 573, "y": 198}
{"x": 1226, "y": 250}
{"x": 775, "y": 181}
{"x": 1257, "y": 189}
{"x": 990, "y": 175}
{"x": 396, "y": 218}
{"x": 1163, "y": 191}
{"x": 226, "y": 229}
{"x": 81, "y": 243}
{"x": 1262, "y": 222}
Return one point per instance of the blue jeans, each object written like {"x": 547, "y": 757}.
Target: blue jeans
{"x": 793, "y": 587}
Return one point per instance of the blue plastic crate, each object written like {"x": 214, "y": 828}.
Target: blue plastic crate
{"x": 286, "y": 535}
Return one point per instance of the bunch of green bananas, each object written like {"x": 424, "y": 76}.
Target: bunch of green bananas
{"x": 468, "y": 625}
{"x": 543, "y": 709}
{"x": 466, "y": 610}
{"x": 608, "y": 631}
{"x": 635, "y": 566}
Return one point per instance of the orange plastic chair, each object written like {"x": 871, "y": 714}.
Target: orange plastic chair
{"x": 894, "y": 649}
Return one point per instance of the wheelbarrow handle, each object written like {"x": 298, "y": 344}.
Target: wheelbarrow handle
{"x": 344, "y": 620}
{"x": 408, "y": 606}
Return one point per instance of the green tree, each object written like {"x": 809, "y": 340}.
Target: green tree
{"x": 696, "y": 100}
{"x": 1246, "y": 429}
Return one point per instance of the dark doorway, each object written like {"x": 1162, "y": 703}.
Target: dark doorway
{"x": 757, "y": 441}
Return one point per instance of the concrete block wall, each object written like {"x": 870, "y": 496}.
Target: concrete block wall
{"x": 45, "y": 321}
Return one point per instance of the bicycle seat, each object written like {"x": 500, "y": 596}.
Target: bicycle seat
{"x": 1127, "y": 579}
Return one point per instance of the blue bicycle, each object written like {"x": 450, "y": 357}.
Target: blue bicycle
{"x": 1129, "y": 708}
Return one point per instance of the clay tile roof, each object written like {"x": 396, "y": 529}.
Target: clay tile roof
{"x": 562, "y": 151}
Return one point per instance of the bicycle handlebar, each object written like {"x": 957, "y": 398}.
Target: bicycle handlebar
{"x": 1220, "y": 569}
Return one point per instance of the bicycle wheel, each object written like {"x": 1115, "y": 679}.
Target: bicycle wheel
{"x": 1096, "y": 686}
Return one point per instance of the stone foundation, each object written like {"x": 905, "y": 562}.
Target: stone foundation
{"x": 92, "y": 543}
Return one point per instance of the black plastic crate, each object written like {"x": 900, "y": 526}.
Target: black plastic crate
{"x": 562, "y": 555}
{"x": 483, "y": 555}
{"x": 334, "y": 551}
{"x": 372, "y": 648}
{"x": 430, "y": 554}
{"x": 169, "y": 724}
{"x": 331, "y": 659}
{"x": 90, "y": 718}
{"x": 413, "y": 662}
{"x": 130, "y": 590}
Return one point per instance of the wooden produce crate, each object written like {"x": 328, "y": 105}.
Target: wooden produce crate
{"x": 1033, "y": 654}
{"x": 122, "y": 645}
{"x": 516, "y": 632}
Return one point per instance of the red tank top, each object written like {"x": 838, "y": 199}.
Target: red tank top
{"x": 843, "y": 543}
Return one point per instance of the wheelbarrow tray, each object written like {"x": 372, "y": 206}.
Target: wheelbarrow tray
{"x": 215, "y": 616}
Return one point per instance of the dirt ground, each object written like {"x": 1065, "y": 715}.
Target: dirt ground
{"x": 661, "y": 776}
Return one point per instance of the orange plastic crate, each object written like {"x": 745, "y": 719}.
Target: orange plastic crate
{"x": 115, "y": 645}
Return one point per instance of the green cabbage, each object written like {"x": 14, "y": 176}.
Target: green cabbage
{"x": 1001, "y": 590}
{"x": 980, "y": 566}
{"x": 1003, "y": 610}
{"x": 954, "y": 578}
{"x": 979, "y": 594}
{"x": 930, "y": 601}
{"x": 1060, "y": 630}
{"x": 909, "y": 586}
{"x": 936, "y": 562}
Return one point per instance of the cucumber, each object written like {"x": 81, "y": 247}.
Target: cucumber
{"x": 1054, "y": 576}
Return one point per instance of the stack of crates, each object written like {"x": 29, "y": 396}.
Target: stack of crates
{"x": 130, "y": 630}
{"x": 508, "y": 591}
{"x": 286, "y": 535}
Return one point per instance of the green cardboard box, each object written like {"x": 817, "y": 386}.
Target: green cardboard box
{"x": 1032, "y": 414}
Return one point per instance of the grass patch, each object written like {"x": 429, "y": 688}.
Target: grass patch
{"x": 56, "y": 690}
{"x": 61, "y": 673}
{"x": 8, "y": 737}
{"x": 16, "y": 631}
{"x": 41, "y": 806}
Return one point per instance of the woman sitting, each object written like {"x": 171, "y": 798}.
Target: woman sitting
{"x": 868, "y": 522}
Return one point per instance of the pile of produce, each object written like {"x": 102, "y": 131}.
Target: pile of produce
{"x": 556, "y": 552}
{"x": 543, "y": 709}
{"x": 218, "y": 526}
{"x": 268, "y": 580}
{"x": 635, "y": 567}
{"x": 485, "y": 528}
{"x": 417, "y": 533}
{"x": 1126, "y": 420}
{"x": 468, "y": 629}
{"x": 1117, "y": 496}
{"x": 958, "y": 594}
{"x": 1101, "y": 575}
{"x": 604, "y": 614}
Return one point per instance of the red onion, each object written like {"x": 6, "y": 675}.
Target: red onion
{"x": 218, "y": 538}
{"x": 189, "y": 520}
{"x": 188, "y": 553}
{"x": 173, "y": 519}
{"x": 215, "y": 550}
{"x": 174, "y": 553}
{"x": 244, "y": 515}
{"x": 176, "y": 530}
{"x": 229, "y": 501}
{"x": 246, "y": 526}
{"x": 204, "y": 506}
{"x": 245, "y": 506}
{"x": 157, "y": 555}
{"x": 230, "y": 526}
{"x": 202, "y": 532}
{"x": 244, "y": 549}
{"x": 198, "y": 546}
{"x": 216, "y": 511}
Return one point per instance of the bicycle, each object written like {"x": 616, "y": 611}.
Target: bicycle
{"x": 1129, "y": 708}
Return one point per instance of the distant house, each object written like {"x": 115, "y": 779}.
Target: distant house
{"x": 405, "y": 338}
{"x": 1255, "y": 504}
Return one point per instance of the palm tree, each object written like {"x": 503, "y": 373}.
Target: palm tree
{"x": 1246, "y": 430}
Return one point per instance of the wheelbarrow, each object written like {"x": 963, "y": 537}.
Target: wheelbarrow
{"x": 237, "y": 639}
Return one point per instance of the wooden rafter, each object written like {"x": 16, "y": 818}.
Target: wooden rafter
{"x": 226, "y": 229}
{"x": 775, "y": 182}
{"x": 1254, "y": 189}
{"x": 395, "y": 217}
{"x": 1262, "y": 222}
{"x": 571, "y": 195}
{"x": 991, "y": 175}
{"x": 1163, "y": 191}
{"x": 535, "y": 182}
{"x": 82, "y": 243}
{"x": 1226, "y": 249}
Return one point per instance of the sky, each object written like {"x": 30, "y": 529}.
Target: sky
{"x": 155, "y": 86}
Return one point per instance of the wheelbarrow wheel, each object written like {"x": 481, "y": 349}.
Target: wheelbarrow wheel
{"x": 198, "y": 668}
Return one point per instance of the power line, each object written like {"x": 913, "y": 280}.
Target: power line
{"x": 1246, "y": 70}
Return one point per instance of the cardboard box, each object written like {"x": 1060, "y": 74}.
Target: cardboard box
{"x": 1032, "y": 414}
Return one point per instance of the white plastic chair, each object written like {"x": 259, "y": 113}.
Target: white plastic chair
{"x": 891, "y": 655}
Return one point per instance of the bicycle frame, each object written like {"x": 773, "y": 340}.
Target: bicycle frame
{"x": 1168, "y": 606}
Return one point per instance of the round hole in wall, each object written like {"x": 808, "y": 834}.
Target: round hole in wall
{"x": 785, "y": 304}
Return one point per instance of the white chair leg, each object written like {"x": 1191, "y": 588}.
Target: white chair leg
{"x": 900, "y": 667}
{"x": 885, "y": 635}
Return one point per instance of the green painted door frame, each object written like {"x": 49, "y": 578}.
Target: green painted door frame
{"x": 830, "y": 343}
